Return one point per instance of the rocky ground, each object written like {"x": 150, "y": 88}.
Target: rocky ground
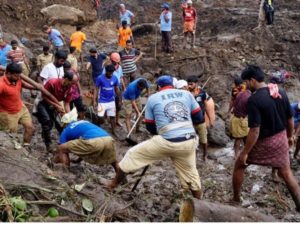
{"x": 226, "y": 42}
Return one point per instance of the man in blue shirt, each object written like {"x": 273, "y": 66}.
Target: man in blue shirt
{"x": 4, "y": 49}
{"x": 132, "y": 100}
{"x": 88, "y": 141}
{"x": 126, "y": 15}
{"x": 116, "y": 60}
{"x": 166, "y": 27}
{"x": 54, "y": 37}
{"x": 107, "y": 87}
{"x": 296, "y": 113}
{"x": 96, "y": 60}
{"x": 170, "y": 115}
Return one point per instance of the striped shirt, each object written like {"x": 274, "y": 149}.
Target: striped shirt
{"x": 16, "y": 56}
{"x": 128, "y": 64}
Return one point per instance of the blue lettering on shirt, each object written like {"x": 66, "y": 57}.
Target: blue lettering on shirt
{"x": 169, "y": 106}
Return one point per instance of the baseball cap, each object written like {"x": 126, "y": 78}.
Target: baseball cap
{"x": 164, "y": 80}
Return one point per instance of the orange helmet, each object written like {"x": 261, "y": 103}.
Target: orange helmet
{"x": 115, "y": 57}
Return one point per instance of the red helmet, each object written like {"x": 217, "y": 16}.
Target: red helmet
{"x": 115, "y": 57}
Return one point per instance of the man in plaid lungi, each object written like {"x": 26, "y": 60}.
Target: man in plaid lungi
{"x": 271, "y": 132}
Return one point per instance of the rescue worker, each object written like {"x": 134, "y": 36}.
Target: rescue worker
{"x": 271, "y": 132}
{"x": 189, "y": 22}
{"x": 170, "y": 115}
{"x": 201, "y": 97}
{"x": 86, "y": 140}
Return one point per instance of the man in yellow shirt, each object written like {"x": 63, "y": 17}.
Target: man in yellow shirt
{"x": 125, "y": 34}
{"x": 77, "y": 39}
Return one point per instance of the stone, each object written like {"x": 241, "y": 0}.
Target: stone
{"x": 217, "y": 135}
{"x": 63, "y": 14}
{"x": 191, "y": 68}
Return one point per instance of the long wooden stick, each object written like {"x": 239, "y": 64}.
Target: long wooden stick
{"x": 40, "y": 88}
{"x": 155, "y": 47}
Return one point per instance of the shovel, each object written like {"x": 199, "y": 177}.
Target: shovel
{"x": 128, "y": 139}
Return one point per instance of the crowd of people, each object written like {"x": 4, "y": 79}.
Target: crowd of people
{"x": 263, "y": 124}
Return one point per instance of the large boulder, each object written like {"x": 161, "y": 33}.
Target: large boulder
{"x": 217, "y": 135}
{"x": 63, "y": 14}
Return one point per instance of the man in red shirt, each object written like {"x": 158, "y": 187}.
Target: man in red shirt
{"x": 12, "y": 109}
{"x": 189, "y": 22}
{"x": 47, "y": 110}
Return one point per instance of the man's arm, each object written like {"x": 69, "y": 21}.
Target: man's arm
{"x": 67, "y": 107}
{"x": 134, "y": 105}
{"x": 139, "y": 57}
{"x": 57, "y": 106}
{"x": 62, "y": 38}
{"x": 88, "y": 65}
{"x": 123, "y": 83}
{"x": 28, "y": 86}
{"x": 95, "y": 99}
{"x": 250, "y": 142}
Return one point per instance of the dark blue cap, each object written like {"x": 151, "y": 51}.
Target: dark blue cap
{"x": 165, "y": 5}
{"x": 164, "y": 80}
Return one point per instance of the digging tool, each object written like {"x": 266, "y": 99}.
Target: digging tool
{"x": 140, "y": 178}
{"x": 128, "y": 139}
{"x": 206, "y": 82}
{"x": 155, "y": 46}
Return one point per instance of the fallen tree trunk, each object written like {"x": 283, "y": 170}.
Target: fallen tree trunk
{"x": 215, "y": 212}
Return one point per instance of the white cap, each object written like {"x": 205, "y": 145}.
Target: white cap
{"x": 70, "y": 116}
{"x": 189, "y": 2}
{"x": 180, "y": 84}
{"x": 174, "y": 81}
{"x": 122, "y": 5}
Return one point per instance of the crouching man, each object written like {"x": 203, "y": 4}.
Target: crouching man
{"x": 170, "y": 115}
{"x": 86, "y": 140}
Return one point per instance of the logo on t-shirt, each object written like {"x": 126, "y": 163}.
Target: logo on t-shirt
{"x": 176, "y": 111}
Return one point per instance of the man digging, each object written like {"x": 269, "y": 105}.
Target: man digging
{"x": 170, "y": 115}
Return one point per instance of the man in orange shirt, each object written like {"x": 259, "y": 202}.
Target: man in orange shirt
{"x": 125, "y": 34}
{"x": 77, "y": 39}
{"x": 190, "y": 22}
{"x": 12, "y": 109}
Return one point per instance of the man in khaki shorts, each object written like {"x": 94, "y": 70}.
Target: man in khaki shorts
{"x": 12, "y": 109}
{"x": 170, "y": 115}
{"x": 132, "y": 100}
{"x": 86, "y": 140}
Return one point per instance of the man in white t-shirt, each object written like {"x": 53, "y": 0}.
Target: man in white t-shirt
{"x": 54, "y": 69}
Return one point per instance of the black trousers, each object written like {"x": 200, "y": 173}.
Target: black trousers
{"x": 46, "y": 117}
{"x": 166, "y": 41}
